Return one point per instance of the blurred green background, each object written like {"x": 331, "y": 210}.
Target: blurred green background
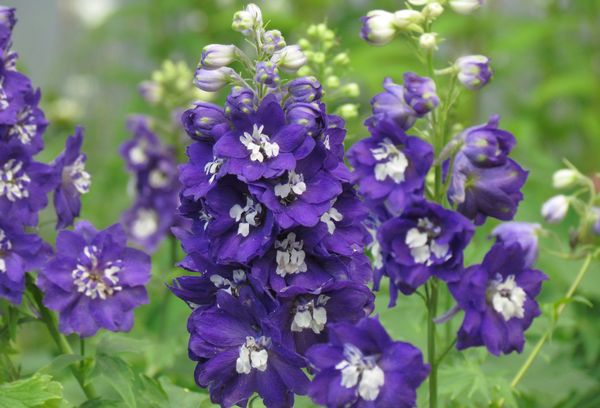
{"x": 89, "y": 56}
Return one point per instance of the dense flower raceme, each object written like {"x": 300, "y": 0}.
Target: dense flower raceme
{"x": 361, "y": 366}
{"x": 498, "y": 298}
{"x": 155, "y": 185}
{"x": 94, "y": 281}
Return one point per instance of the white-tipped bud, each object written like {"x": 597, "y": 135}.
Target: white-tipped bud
{"x": 428, "y": 41}
{"x": 408, "y": 20}
{"x": 433, "y": 11}
{"x": 465, "y": 6}
{"x": 379, "y": 27}
{"x": 555, "y": 209}
{"x": 290, "y": 58}
{"x": 218, "y": 55}
{"x": 248, "y": 19}
{"x": 211, "y": 80}
{"x": 565, "y": 178}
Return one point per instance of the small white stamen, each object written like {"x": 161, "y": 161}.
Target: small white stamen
{"x": 212, "y": 168}
{"x": 95, "y": 280}
{"x": 23, "y": 129}
{"x": 253, "y": 354}
{"x": 5, "y": 246}
{"x": 13, "y": 181}
{"x": 294, "y": 186}
{"x": 392, "y": 162}
{"x": 259, "y": 145}
{"x": 290, "y": 256}
{"x": 158, "y": 178}
{"x": 76, "y": 175}
{"x": 246, "y": 216}
{"x": 361, "y": 370}
{"x": 138, "y": 155}
{"x": 145, "y": 223}
{"x": 423, "y": 247}
{"x": 311, "y": 315}
{"x": 506, "y": 297}
{"x": 329, "y": 217}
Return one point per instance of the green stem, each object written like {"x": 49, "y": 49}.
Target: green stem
{"x": 538, "y": 347}
{"x": 431, "y": 357}
{"x": 60, "y": 340}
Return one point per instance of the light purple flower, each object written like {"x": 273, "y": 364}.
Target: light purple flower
{"x": 474, "y": 71}
{"x": 524, "y": 234}
{"x": 420, "y": 93}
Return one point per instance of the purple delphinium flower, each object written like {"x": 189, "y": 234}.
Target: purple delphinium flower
{"x": 474, "y": 71}
{"x": 427, "y": 240}
{"x": 304, "y": 314}
{"x": 149, "y": 220}
{"x": 498, "y": 297}
{"x": 390, "y": 167}
{"x": 240, "y": 102}
{"x": 74, "y": 180}
{"x": 202, "y": 171}
{"x": 300, "y": 196}
{"x": 391, "y": 104}
{"x": 262, "y": 145}
{"x": 524, "y": 234}
{"x": 94, "y": 281}
{"x": 7, "y": 23}
{"x": 420, "y": 93}
{"x": 24, "y": 185}
{"x": 239, "y": 352}
{"x": 305, "y": 89}
{"x": 487, "y": 145}
{"x": 138, "y": 150}
{"x": 362, "y": 366}
{"x": 205, "y": 121}
{"x": 310, "y": 115}
{"x": 19, "y": 253}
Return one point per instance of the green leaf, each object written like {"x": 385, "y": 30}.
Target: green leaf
{"x": 111, "y": 344}
{"x": 38, "y": 391}
{"x": 119, "y": 375}
{"x": 183, "y": 397}
{"x": 100, "y": 403}
{"x": 61, "y": 362}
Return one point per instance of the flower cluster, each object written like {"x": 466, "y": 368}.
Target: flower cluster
{"x": 404, "y": 178}
{"x": 278, "y": 239}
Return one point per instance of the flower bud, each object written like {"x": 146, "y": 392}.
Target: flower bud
{"x": 391, "y": 104}
{"x": 205, "y": 121}
{"x": 418, "y": 2}
{"x": 420, "y": 93}
{"x": 240, "y": 100}
{"x": 248, "y": 19}
{"x": 341, "y": 59}
{"x": 211, "y": 80}
{"x": 290, "y": 58}
{"x": 308, "y": 115}
{"x": 565, "y": 178}
{"x": 555, "y": 209}
{"x": 150, "y": 91}
{"x": 267, "y": 74}
{"x": 333, "y": 81}
{"x": 474, "y": 71}
{"x": 218, "y": 55}
{"x": 347, "y": 111}
{"x": 350, "y": 90}
{"x": 273, "y": 41}
{"x": 428, "y": 41}
{"x": 305, "y": 89}
{"x": 433, "y": 11}
{"x": 378, "y": 27}
{"x": 408, "y": 20}
{"x": 465, "y": 6}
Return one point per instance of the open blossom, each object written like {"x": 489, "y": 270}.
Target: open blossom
{"x": 426, "y": 240}
{"x": 239, "y": 353}
{"x": 94, "y": 281}
{"x": 20, "y": 253}
{"x": 390, "y": 166}
{"x": 74, "y": 180}
{"x": 362, "y": 366}
{"x": 498, "y": 298}
{"x": 392, "y": 105}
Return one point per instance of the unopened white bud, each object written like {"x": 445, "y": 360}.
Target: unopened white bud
{"x": 248, "y": 19}
{"x": 418, "y": 2}
{"x": 555, "y": 209}
{"x": 211, "y": 80}
{"x": 565, "y": 178}
{"x": 433, "y": 11}
{"x": 408, "y": 20}
{"x": 465, "y": 6}
{"x": 218, "y": 55}
{"x": 290, "y": 58}
{"x": 379, "y": 27}
{"x": 428, "y": 41}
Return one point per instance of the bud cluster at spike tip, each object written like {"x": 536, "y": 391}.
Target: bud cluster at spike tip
{"x": 93, "y": 281}
{"x": 277, "y": 238}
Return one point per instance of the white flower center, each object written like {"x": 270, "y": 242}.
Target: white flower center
{"x": 137, "y": 154}
{"x": 375, "y": 249}
{"x": 253, "y": 354}
{"x": 329, "y": 217}
{"x": 5, "y": 246}
{"x": 145, "y": 223}
{"x": 361, "y": 370}
{"x": 211, "y": 168}
{"x": 311, "y": 315}
{"x": 259, "y": 145}
{"x": 14, "y": 181}
{"x": 3, "y": 96}
{"x": 76, "y": 175}
{"x": 291, "y": 189}
{"x": 159, "y": 178}
{"x": 246, "y": 216}
{"x": 392, "y": 162}
{"x": 423, "y": 247}
{"x": 24, "y": 130}
{"x": 230, "y": 286}
{"x": 290, "y": 256}
{"x": 506, "y": 297}
{"x": 95, "y": 280}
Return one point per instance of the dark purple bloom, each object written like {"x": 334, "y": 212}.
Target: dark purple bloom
{"x": 486, "y": 145}
{"x": 19, "y": 253}
{"x": 24, "y": 185}
{"x": 391, "y": 104}
{"x": 390, "y": 167}
{"x": 524, "y": 234}
{"x": 305, "y": 89}
{"x": 7, "y": 23}
{"x": 74, "y": 180}
{"x": 362, "y": 366}
{"x": 304, "y": 314}
{"x": 267, "y": 74}
{"x": 202, "y": 171}
{"x": 94, "y": 281}
{"x": 427, "y": 240}
{"x": 300, "y": 196}
{"x": 480, "y": 192}
{"x": 420, "y": 94}
{"x": 138, "y": 151}
{"x": 498, "y": 297}
{"x": 262, "y": 145}
{"x": 474, "y": 71}
{"x": 205, "y": 121}
{"x": 239, "y": 352}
